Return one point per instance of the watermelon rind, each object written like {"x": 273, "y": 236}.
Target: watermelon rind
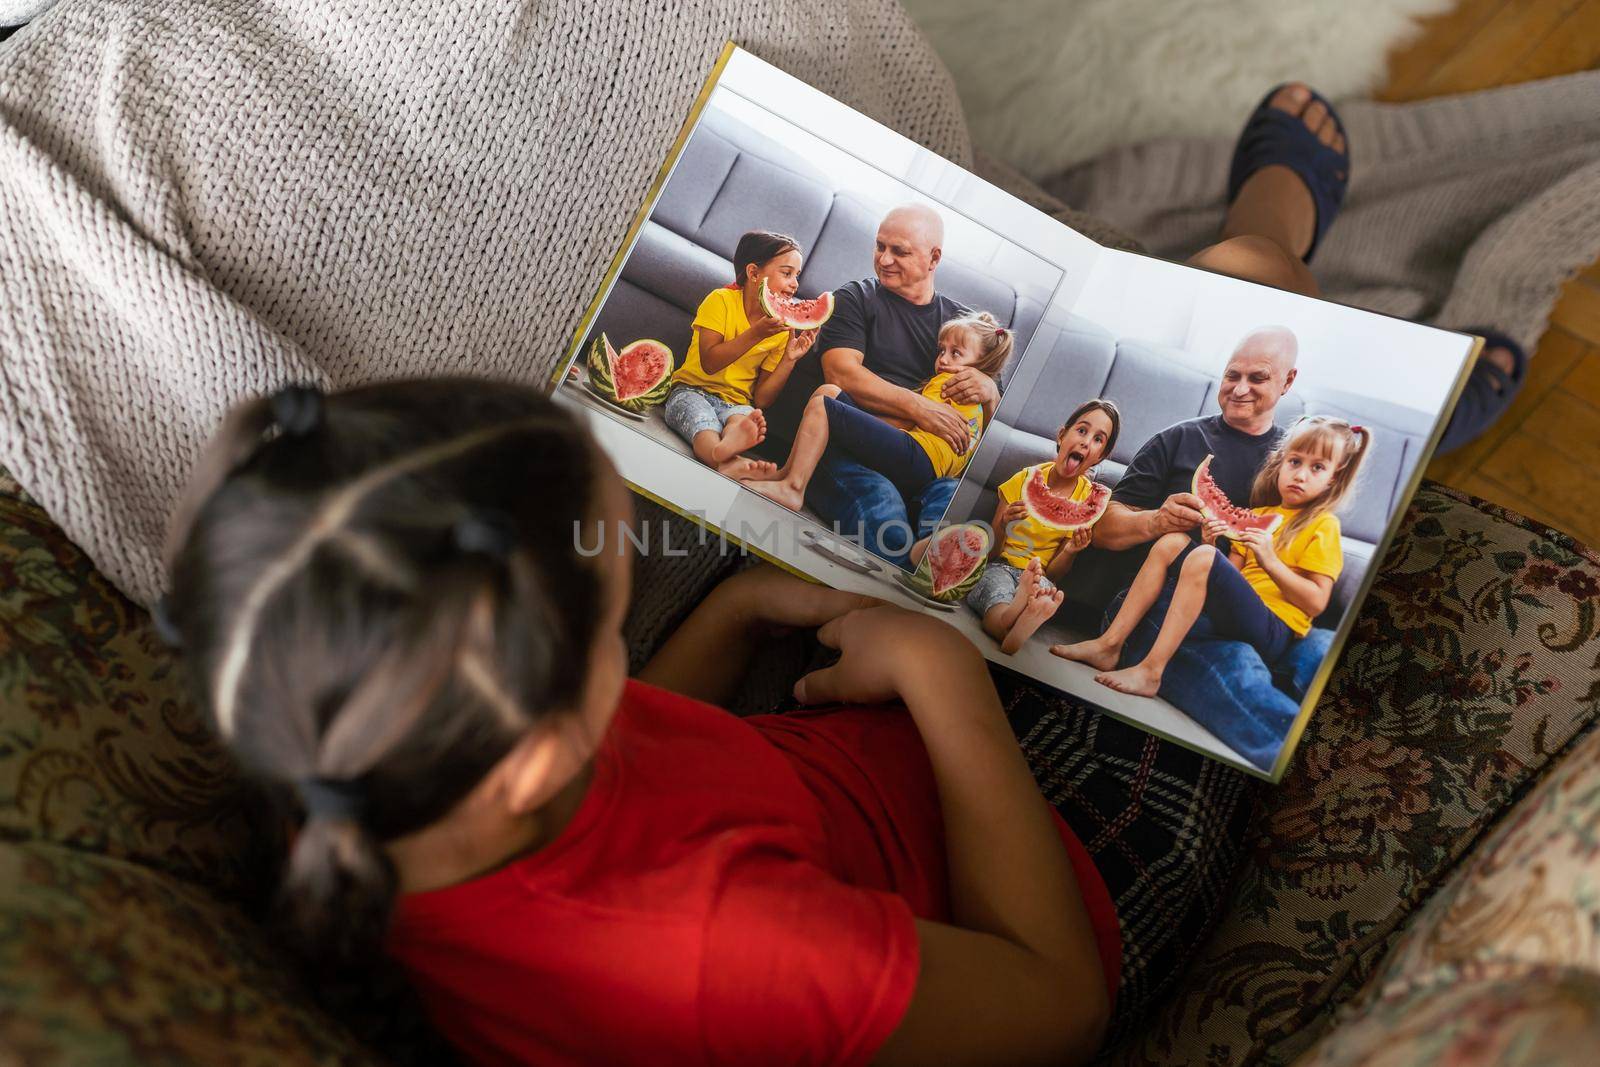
{"x": 774, "y": 306}
{"x": 1236, "y": 527}
{"x": 601, "y": 361}
{"x": 922, "y": 578}
{"x": 1099, "y": 499}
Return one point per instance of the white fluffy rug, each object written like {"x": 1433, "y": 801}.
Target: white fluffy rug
{"x": 1049, "y": 83}
{"x": 16, "y": 12}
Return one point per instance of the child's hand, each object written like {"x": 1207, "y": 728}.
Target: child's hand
{"x": 766, "y": 326}
{"x": 1015, "y": 511}
{"x": 800, "y": 343}
{"x": 1213, "y": 531}
{"x": 1078, "y": 541}
{"x": 1259, "y": 542}
{"x": 878, "y": 648}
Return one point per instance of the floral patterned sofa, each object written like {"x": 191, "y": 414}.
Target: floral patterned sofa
{"x": 1424, "y": 886}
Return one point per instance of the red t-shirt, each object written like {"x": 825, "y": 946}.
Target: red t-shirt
{"x": 730, "y": 891}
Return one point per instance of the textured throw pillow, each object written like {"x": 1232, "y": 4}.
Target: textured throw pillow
{"x": 111, "y": 962}
{"x": 1470, "y": 668}
{"x": 1503, "y": 964}
{"x": 100, "y": 747}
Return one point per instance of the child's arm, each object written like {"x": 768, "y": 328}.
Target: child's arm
{"x": 769, "y": 383}
{"x": 707, "y": 655}
{"x": 1307, "y": 591}
{"x": 1066, "y": 553}
{"x": 988, "y": 410}
{"x": 1004, "y": 515}
{"x": 1016, "y": 911}
{"x": 1214, "y": 530}
{"x": 718, "y": 352}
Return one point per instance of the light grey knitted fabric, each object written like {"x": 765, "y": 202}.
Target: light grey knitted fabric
{"x": 201, "y": 201}
{"x": 1463, "y": 211}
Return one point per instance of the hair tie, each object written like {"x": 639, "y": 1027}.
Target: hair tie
{"x": 166, "y": 628}
{"x": 999, "y": 332}
{"x": 332, "y": 798}
{"x": 297, "y": 409}
{"x": 486, "y": 533}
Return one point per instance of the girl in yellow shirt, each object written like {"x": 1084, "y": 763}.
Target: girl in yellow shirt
{"x": 1019, "y": 590}
{"x": 909, "y": 457}
{"x": 739, "y": 359}
{"x": 1266, "y": 591}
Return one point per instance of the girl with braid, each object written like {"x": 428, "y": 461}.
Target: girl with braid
{"x": 402, "y": 606}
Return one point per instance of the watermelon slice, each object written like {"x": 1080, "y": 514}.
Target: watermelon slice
{"x": 637, "y": 378}
{"x": 1059, "y": 513}
{"x": 1214, "y": 504}
{"x": 953, "y": 563}
{"x": 797, "y": 314}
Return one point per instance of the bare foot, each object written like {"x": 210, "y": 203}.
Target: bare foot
{"x": 1274, "y": 202}
{"x": 1138, "y": 680}
{"x": 1502, "y": 358}
{"x": 1040, "y": 606}
{"x": 1099, "y": 653}
{"x": 743, "y": 467}
{"x": 739, "y": 433}
{"x": 778, "y": 490}
{"x": 1032, "y": 574}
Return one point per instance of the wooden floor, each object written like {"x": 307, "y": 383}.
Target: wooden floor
{"x": 1543, "y": 458}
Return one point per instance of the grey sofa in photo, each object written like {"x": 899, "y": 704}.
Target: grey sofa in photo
{"x": 731, "y": 178}
{"x": 1155, "y": 386}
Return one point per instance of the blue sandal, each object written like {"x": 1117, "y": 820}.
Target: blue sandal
{"x": 1487, "y": 394}
{"x": 1273, "y": 137}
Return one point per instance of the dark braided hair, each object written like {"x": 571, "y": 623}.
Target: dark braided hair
{"x": 378, "y": 595}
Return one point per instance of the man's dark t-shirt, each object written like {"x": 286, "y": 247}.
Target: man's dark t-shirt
{"x": 1164, "y": 465}
{"x": 898, "y": 338}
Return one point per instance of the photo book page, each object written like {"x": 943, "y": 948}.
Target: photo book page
{"x": 1160, "y": 490}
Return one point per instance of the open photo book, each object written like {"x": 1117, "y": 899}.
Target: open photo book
{"x": 1158, "y": 489}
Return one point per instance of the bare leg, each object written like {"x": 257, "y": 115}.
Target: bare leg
{"x": 1258, "y": 259}
{"x": 1144, "y": 678}
{"x": 1039, "y": 607}
{"x": 1271, "y": 222}
{"x": 810, "y": 441}
{"x": 997, "y": 621}
{"x": 1102, "y": 652}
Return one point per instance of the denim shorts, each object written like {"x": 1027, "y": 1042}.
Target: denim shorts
{"x": 690, "y": 410}
{"x": 997, "y": 585}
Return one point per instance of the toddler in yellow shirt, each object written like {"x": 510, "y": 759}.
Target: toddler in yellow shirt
{"x": 1269, "y": 587}
{"x": 739, "y": 358}
{"x": 906, "y": 455}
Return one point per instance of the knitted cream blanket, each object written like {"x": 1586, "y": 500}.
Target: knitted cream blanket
{"x": 201, "y": 200}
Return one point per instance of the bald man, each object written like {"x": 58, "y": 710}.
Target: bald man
{"x": 879, "y": 348}
{"x": 1153, "y": 497}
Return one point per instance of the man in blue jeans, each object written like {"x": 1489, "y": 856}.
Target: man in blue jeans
{"x": 879, "y": 347}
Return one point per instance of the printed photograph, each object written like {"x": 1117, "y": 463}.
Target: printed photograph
{"x": 1178, "y": 507}
{"x": 801, "y": 316}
